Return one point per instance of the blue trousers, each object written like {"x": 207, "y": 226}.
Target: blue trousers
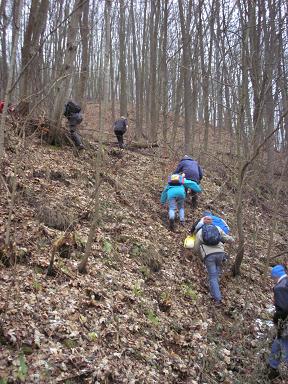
{"x": 213, "y": 264}
{"x": 279, "y": 348}
{"x": 174, "y": 203}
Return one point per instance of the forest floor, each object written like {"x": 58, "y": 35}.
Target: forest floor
{"x": 143, "y": 313}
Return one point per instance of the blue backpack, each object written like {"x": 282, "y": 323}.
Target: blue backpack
{"x": 210, "y": 234}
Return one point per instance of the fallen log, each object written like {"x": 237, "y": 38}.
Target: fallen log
{"x": 142, "y": 145}
{"x": 129, "y": 145}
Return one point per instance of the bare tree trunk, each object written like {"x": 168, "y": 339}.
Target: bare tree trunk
{"x": 154, "y": 20}
{"x": 66, "y": 70}
{"x": 3, "y": 62}
{"x": 84, "y": 32}
{"x": 187, "y": 79}
{"x": 122, "y": 60}
{"x": 137, "y": 75}
{"x": 242, "y": 173}
{"x": 274, "y": 204}
{"x": 112, "y": 78}
{"x": 178, "y": 104}
{"x": 15, "y": 35}
{"x": 164, "y": 73}
{"x": 142, "y": 69}
{"x": 36, "y": 25}
{"x": 206, "y": 69}
{"x": 82, "y": 268}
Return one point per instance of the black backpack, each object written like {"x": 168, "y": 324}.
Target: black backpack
{"x": 120, "y": 125}
{"x": 210, "y": 234}
{"x": 71, "y": 108}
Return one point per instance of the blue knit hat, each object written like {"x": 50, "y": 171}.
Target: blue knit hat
{"x": 207, "y": 213}
{"x": 278, "y": 271}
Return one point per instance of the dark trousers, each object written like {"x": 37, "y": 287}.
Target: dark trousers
{"x": 194, "y": 197}
{"x": 75, "y": 136}
{"x": 119, "y": 136}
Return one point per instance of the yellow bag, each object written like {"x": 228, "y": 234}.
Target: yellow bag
{"x": 189, "y": 242}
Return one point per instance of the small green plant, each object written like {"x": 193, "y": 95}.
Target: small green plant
{"x": 92, "y": 336}
{"x": 137, "y": 291}
{"x": 165, "y": 296}
{"x": 23, "y": 369}
{"x": 70, "y": 343}
{"x": 3, "y": 380}
{"x": 145, "y": 271}
{"x": 109, "y": 263}
{"x": 136, "y": 249}
{"x": 62, "y": 266}
{"x": 189, "y": 292}
{"x": 37, "y": 286}
{"x": 107, "y": 246}
{"x": 152, "y": 317}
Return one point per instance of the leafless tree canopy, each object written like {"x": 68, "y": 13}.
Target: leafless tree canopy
{"x": 217, "y": 62}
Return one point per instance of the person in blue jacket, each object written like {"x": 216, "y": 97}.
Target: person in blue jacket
{"x": 279, "y": 349}
{"x": 216, "y": 220}
{"x": 192, "y": 171}
{"x": 191, "y": 168}
{"x": 175, "y": 195}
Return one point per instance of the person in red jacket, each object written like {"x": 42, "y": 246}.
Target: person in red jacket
{"x": 1, "y": 106}
{"x": 10, "y": 107}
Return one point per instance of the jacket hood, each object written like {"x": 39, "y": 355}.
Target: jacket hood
{"x": 186, "y": 158}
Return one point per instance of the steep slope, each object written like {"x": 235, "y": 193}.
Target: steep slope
{"x": 142, "y": 314}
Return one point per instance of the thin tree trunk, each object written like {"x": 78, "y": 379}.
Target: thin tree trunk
{"x": 82, "y": 268}
{"x": 29, "y": 84}
{"x": 164, "y": 73}
{"x": 240, "y": 249}
{"x": 66, "y": 71}
{"x": 137, "y": 75}
{"x": 84, "y": 32}
{"x": 187, "y": 80}
{"x": 15, "y": 35}
{"x": 153, "y": 123}
{"x": 122, "y": 60}
{"x": 3, "y": 62}
{"x": 275, "y": 220}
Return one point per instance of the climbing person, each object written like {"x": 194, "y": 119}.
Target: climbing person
{"x": 74, "y": 117}
{"x": 192, "y": 171}
{"x": 216, "y": 220}
{"x": 175, "y": 194}
{"x": 10, "y": 108}
{"x": 120, "y": 127}
{"x": 280, "y": 319}
{"x": 209, "y": 243}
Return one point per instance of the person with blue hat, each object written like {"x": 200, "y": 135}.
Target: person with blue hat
{"x": 280, "y": 319}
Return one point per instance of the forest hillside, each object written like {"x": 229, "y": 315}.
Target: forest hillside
{"x": 142, "y": 313}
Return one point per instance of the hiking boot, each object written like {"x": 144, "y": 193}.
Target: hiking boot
{"x": 182, "y": 223}
{"x": 217, "y": 303}
{"x": 81, "y": 146}
{"x": 171, "y": 224}
{"x": 273, "y": 373}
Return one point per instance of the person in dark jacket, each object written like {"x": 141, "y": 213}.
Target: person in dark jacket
{"x": 280, "y": 319}
{"x": 120, "y": 127}
{"x": 192, "y": 171}
{"x": 74, "y": 119}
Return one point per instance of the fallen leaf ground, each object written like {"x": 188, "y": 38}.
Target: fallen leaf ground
{"x": 143, "y": 313}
